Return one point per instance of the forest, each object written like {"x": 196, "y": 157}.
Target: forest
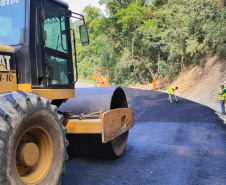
{"x": 137, "y": 40}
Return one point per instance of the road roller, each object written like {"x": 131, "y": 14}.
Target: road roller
{"x": 43, "y": 116}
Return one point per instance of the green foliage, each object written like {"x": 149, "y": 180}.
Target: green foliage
{"x": 138, "y": 40}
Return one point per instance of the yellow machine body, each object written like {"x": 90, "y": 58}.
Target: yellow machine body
{"x": 38, "y": 72}
{"x": 110, "y": 124}
{"x": 8, "y": 80}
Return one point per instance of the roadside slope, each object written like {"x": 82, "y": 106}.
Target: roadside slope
{"x": 202, "y": 83}
{"x": 198, "y": 83}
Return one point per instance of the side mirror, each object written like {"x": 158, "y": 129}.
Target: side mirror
{"x": 84, "y": 35}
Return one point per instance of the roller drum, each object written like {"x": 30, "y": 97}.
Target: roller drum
{"x": 89, "y": 100}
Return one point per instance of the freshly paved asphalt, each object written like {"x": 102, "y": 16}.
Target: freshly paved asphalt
{"x": 170, "y": 144}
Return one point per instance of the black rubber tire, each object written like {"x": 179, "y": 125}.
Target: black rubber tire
{"x": 20, "y": 111}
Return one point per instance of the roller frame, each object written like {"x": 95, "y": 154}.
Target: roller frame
{"x": 110, "y": 124}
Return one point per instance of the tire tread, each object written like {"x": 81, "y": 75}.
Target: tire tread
{"x": 15, "y": 106}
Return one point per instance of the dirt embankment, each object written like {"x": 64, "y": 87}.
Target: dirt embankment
{"x": 200, "y": 83}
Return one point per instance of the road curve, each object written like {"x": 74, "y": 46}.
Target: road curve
{"x": 173, "y": 144}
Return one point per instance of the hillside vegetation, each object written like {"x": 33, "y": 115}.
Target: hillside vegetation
{"x": 138, "y": 40}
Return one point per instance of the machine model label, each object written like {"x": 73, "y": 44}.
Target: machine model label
{"x": 6, "y": 78}
{"x": 5, "y": 62}
{"x": 8, "y": 82}
{"x": 8, "y": 2}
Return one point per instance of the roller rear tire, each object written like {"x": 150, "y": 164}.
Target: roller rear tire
{"x": 32, "y": 140}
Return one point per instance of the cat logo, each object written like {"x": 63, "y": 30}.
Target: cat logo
{"x": 5, "y": 62}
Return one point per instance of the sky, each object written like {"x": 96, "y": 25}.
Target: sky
{"x": 78, "y": 5}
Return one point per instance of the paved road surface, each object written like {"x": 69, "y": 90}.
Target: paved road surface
{"x": 170, "y": 144}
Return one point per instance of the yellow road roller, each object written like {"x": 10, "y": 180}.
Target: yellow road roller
{"x": 40, "y": 111}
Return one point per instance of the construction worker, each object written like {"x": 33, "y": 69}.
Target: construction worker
{"x": 154, "y": 84}
{"x": 171, "y": 90}
{"x": 222, "y": 98}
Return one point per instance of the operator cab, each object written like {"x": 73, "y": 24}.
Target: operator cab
{"x": 44, "y": 43}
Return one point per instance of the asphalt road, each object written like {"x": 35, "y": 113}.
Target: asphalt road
{"x": 170, "y": 144}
